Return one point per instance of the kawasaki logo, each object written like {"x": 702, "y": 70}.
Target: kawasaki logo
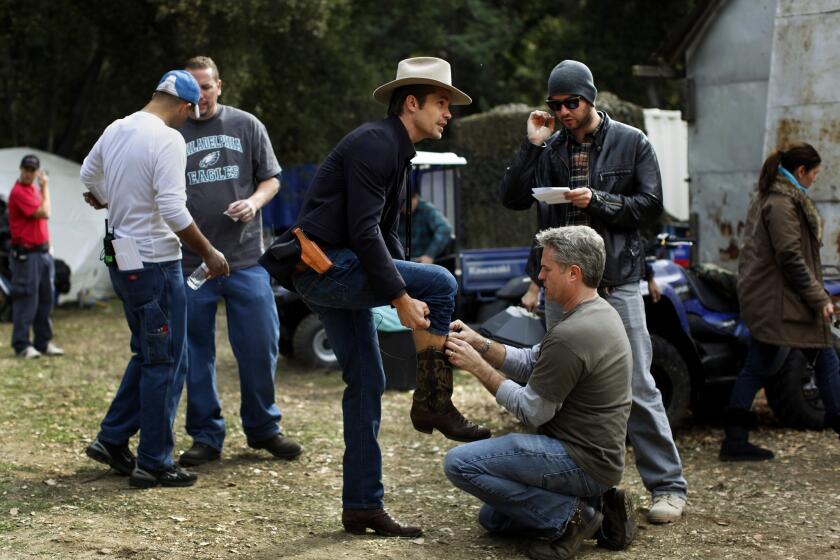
{"x": 487, "y": 270}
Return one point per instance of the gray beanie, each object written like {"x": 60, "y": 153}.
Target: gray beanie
{"x": 573, "y": 78}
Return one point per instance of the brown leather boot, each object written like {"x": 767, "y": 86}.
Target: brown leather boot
{"x": 432, "y": 406}
{"x": 358, "y": 521}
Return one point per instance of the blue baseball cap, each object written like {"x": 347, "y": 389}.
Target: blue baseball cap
{"x": 182, "y": 85}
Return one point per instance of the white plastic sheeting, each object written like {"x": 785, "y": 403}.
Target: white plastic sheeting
{"x": 76, "y": 229}
{"x": 438, "y": 158}
{"x": 669, "y": 135}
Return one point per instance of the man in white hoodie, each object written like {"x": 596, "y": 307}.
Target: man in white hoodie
{"x": 136, "y": 171}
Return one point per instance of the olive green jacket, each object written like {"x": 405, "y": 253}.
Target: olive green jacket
{"x": 780, "y": 285}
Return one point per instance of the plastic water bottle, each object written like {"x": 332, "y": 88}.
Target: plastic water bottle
{"x": 198, "y": 277}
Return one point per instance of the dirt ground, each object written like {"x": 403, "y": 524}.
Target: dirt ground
{"x": 55, "y": 502}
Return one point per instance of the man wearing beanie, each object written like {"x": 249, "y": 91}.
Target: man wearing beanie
{"x": 616, "y": 189}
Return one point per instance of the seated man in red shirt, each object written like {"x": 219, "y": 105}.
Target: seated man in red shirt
{"x": 31, "y": 264}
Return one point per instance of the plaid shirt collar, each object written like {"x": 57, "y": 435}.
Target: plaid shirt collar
{"x": 579, "y": 170}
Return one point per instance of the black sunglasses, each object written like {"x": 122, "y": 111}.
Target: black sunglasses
{"x": 571, "y": 103}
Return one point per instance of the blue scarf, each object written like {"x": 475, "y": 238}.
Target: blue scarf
{"x": 789, "y": 176}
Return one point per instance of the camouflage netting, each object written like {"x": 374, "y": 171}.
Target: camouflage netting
{"x": 490, "y": 141}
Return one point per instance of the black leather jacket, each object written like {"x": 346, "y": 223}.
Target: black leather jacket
{"x": 626, "y": 191}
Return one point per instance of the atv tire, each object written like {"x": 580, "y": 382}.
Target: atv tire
{"x": 672, "y": 379}
{"x": 311, "y": 347}
{"x": 793, "y": 396}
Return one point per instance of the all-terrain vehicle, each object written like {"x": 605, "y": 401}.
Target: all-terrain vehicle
{"x": 699, "y": 345}
{"x": 699, "y": 341}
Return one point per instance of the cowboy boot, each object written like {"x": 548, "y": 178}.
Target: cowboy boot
{"x": 432, "y": 408}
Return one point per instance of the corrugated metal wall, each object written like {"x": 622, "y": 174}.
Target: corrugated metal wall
{"x": 730, "y": 68}
{"x": 804, "y": 99}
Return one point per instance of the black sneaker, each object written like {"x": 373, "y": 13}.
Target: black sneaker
{"x": 278, "y": 445}
{"x": 618, "y": 528}
{"x": 173, "y": 477}
{"x": 118, "y": 457}
{"x": 199, "y": 454}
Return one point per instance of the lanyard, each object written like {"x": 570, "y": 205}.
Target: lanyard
{"x": 408, "y": 216}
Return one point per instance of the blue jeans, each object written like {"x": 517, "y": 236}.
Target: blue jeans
{"x": 764, "y": 360}
{"x": 33, "y": 296}
{"x": 529, "y": 484}
{"x": 343, "y": 298}
{"x": 156, "y": 310}
{"x": 254, "y": 334}
{"x": 657, "y": 458}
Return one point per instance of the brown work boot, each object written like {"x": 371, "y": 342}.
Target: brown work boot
{"x": 432, "y": 406}
{"x": 584, "y": 524}
{"x": 358, "y": 521}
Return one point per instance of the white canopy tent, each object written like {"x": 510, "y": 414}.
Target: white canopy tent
{"x": 76, "y": 229}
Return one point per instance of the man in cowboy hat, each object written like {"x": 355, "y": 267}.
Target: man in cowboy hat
{"x": 351, "y": 211}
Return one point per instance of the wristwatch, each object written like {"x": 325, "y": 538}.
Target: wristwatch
{"x": 486, "y": 346}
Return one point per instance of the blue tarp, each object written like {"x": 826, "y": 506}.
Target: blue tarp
{"x": 280, "y": 214}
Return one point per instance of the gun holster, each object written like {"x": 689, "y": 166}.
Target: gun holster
{"x": 289, "y": 254}
{"x": 312, "y": 255}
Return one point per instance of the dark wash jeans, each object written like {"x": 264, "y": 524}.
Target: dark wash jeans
{"x": 254, "y": 335}
{"x": 33, "y": 295}
{"x": 343, "y": 298}
{"x": 764, "y": 360}
{"x": 155, "y": 307}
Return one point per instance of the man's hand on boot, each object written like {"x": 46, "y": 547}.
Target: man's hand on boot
{"x": 493, "y": 354}
{"x": 466, "y": 334}
{"x": 412, "y": 312}
{"x": 464, "y": 356}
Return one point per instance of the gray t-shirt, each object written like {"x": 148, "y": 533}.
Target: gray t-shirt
{"x": 227, "y": 157}
{"x": 585, "y": 363}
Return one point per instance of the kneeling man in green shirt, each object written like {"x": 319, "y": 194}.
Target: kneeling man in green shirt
{"x": 574, "y": 388}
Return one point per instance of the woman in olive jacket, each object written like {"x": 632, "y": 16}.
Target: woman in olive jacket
{"x": 781, "y": 294}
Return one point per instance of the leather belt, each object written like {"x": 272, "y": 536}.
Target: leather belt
{"x": 42, "y": 248}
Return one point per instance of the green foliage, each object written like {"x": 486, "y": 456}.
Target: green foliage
{"x": 490, "y": 141}
{"x": 305, "y": 67}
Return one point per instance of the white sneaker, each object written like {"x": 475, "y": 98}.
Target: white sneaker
{"x": 666, "y": 508}
{"x": 53, "y": 350}
{"x": 29, "y": 353}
